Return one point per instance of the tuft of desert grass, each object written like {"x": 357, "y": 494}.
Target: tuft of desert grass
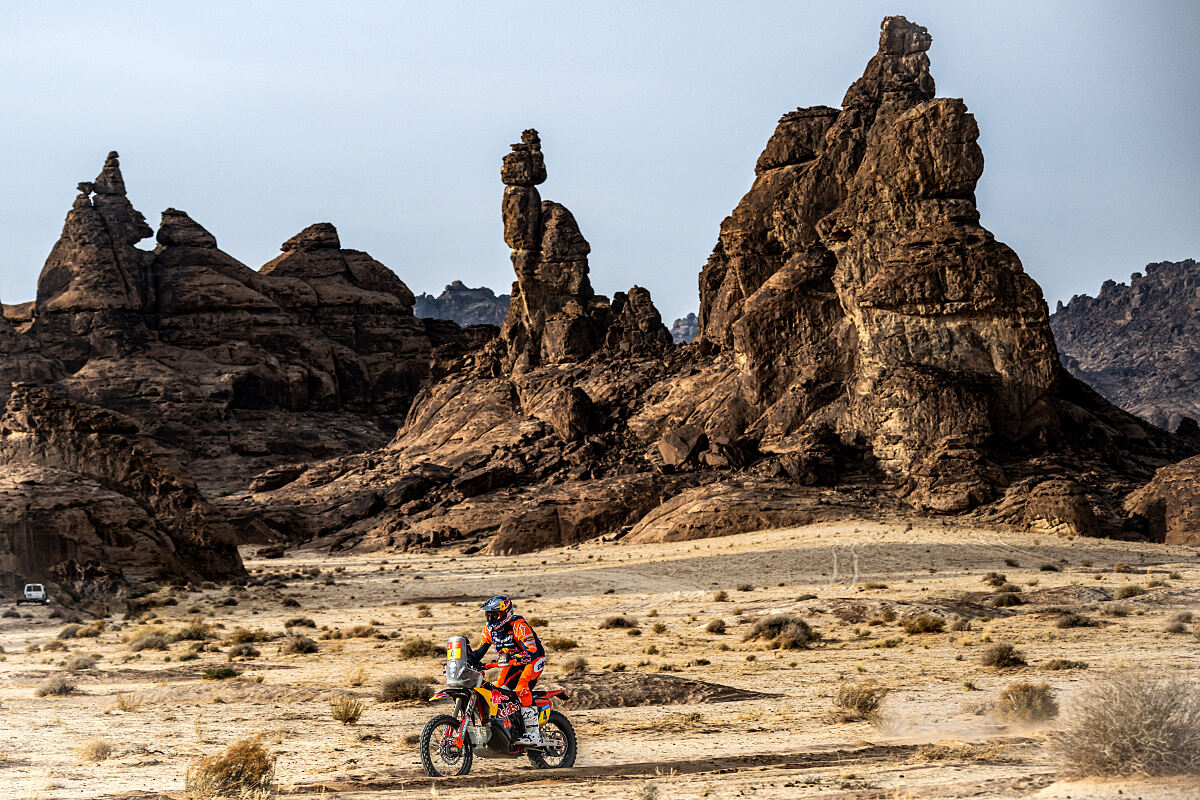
{"x": 80, "y": 663}
{"x": 574, "y": 665}
{"x": 346, "y": 709}
{"x": 618, "y": 622}
{"x": 55, "y": 686}
{"x": 97, "y": 749}
{"x": 559, "y": 644}
{"x": 245, "y": 769}
{"x": 1128, "y": 590}
{"x": 715, "y": 626}
{"x": 923, "y": 623}
{"x": 357, "y": 677}
{"x": 783, "y": 632}
{"x": 299, "y": 622}
{"x": 128, "y": 702}
{"x": 1002, "y": 656}
{"x": 147, "y": 641}
{"x": 858, "y": 701}
{"x": 1131, "y": 724}
{"x": 403, "y": 687}
{"x": 1025, "y": 701}
{"x": 219, "y": 672}
{"x": 1063, "y": 663}
{"x": 295, "y": 644}
{"x": 420, "y": 648}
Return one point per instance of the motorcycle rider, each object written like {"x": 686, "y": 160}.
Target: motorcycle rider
{"x": 521, "y": 660}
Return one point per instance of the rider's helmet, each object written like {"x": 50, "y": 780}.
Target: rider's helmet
{"x": 497, "y": 610}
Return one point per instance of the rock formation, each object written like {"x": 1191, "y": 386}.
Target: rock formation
{"x": 1139, "y": 344}
{"x": 1171, "y": 503}
{"x": 86, "y": 504}
{"x": 684, "y": 330}
{"x": 463, "y": 305}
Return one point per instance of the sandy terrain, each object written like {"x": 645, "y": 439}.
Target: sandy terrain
{"x": 937, "y": 737}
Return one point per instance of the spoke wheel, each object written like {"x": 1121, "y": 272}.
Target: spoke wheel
{"x": 440, "y": 756}
{"x": 560, "y": 749}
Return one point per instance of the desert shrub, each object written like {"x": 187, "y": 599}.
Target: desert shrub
{"x": 1011, "y": 562}
{"x": 618, "y": 622}
{"x": 1131, "y": 724}
{"x": 1002, "y": 656}
{"x": 299, "y": 622}
{"x": 246, "y": 636}
{"x": 294, "y": 644}
{"x": 243, "y": 650}
{"x": 1024, "y": 701}
{"x": 1122, "y": 568}
{"x": 783, "y": 632}
{"x": 245, "y": 769}
{"x": 1007, "y": 600}
{"x": 128, "y": 702}
{"x": 995, "y": 579}
{"x": 1073, "y": 620}
{"x": 861, "y": 700}
{"x": 147, "y": 641}
{"x": 1175, "y": 627}
{"x": 538, "y": 622}
{"x": 634, "y": 631}
{"x": 574, "y": 665}
{"x": 1183, "y": 616}
{"x": 289, "y": 602}
{"x": 721, "y": 596}
{"x": 1063, "y": 663}
{"x": 872, "y": 585}
{"x": 1127, "y": 591}
{"x": 559, "y": 644}
{"x": 745, "y": 587}
{"x": 53, "y": 646}
{"x": 195, "y": 631}
{"x": 10, "y": 613}
{"x": 420, "y": 648}
{"x": 96, "y": 749}
{"x": 55, "y": 685}
{"x": 1007, "y": 588}
{"x": 361, "y": 632}
{"x": 357, "y": 678}
{"x": 219, "y": 672}
{"x": 1118, "y": 610}
{"x": 1049, "y": 568}
{"x": 659, "y": 627}
{"x": 79, "y": 663}
{"x": 346, "y": 709}
{"x": 403, "y": 687}
{"x": 90, "y": 631}
{"x": 69, "y": 631}
{"x": 923, "y": 623}
{"x": 961, "y": 624}
{"x": 188, "y": 655}
{"x": 715, "y": 626}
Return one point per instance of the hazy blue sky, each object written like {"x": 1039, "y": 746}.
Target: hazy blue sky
{"x": 390, "y": 120}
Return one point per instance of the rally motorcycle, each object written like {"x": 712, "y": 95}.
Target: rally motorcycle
{"x": 487, "y": 721}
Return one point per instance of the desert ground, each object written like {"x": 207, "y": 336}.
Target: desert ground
{"x": 938, "y": 733}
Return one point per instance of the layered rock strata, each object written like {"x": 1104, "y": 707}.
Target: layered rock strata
{"x": 1138, "y": 344}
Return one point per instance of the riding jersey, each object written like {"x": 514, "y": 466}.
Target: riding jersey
{"x": 514, "y": 640}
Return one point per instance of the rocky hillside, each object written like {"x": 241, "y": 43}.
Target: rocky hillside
{"x": 1138, "y": 344}
{"x": 463, "y": 305}
{"x": 861, "y": 330}
{"x": 684, "y": 330}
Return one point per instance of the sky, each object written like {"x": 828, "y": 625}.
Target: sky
{"x": 390, "y": 121}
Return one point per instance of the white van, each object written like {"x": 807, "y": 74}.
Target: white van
{"x": 34, "y": 593}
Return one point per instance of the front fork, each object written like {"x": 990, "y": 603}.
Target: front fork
{"x": 462, "y": 713}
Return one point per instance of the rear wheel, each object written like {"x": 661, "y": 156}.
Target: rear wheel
{"x": 440, "y": 756}
{"x": 560, "y": 749}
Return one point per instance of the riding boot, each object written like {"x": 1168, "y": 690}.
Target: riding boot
{"x": 531, "y": 736}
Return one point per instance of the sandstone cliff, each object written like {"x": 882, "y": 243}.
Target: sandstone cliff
{"x": 1139, "y": 344}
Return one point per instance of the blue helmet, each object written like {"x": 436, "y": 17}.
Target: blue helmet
{"x": 497, "y": 610}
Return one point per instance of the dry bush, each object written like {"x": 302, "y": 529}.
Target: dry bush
{"x": 357, "y": 678}
{"x": 247, "y": 636}
{"x": 361, "y": 632}
{"x": 196, "y": 631}
{"x": 97, "y": 749}
{"x": 1007, "y": 587}
{"x": 574, "y": 665}
{"x": 857, "y": 701}
{"x": 1007, "y": 600}
{"x": 346, "y": 709}
{"x": 1131, "y": 724}
{"x": 403, "y": 687}
{"x": 69, "y": 631}
{"x": 923, "y": 623}
{"x": 1127, "y": 591}
{"x": 1175, "y": 627}
{"x": 872, "y": 586}
{"x": 245, "y": 769}
{"x": 420, "y": 648}
{"x": 53, "y": 646}
{"x": 559, "y": 644}
{"x": 1050, "y": 568}
{"x": 219, "y": 672}
{"x": 961, "y": 624}
{"x": 1002, "y": 656}
{"x": 745, "y": 587}
{"x": 1024, "y": 701}
{"x": 1063, "y": 663}
{"x": 659, "y": 627}
{"x": 1073, "y": 620}
{"x": 538, "y": 622}
{"x": 243, "y": 650}
{"x": 995, "y": 579}
{"x": 299, "y": 622}
{"x": 147, "y": 641}
{"x": 618, "y": 622}
{"x": 54, "y": 686}
{"x": 90, "y": 631}
{"x": 294, "y": 644}
{"x": 80, "y": 663}
{"x": 1118, "y": 610}
{"x": 721, "y": 596}
{"x": 1183, "y": 616}
{"x": 783, "y": 632}
{"x": 1122, "y": 568}
{"x": 128, "y": 702}
{"x": 716, "y": 626}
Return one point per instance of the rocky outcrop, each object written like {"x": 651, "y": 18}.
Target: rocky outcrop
{"x": 86, "y": 503}
{"x": 684, "y": 330}
{"x": 1138, "y": 344}
{"x": 463, "y": 305}
{"x": 1170, "y": 503}
{"x": 316, "y": 355}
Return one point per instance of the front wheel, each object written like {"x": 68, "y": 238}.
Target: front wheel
{"x": 560, "y": 749}
{"x": 440, "y": 756}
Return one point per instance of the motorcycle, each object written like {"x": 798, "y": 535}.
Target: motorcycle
{"x": 487, "y": 722}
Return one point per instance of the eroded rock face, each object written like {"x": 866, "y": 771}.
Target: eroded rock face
{"x": 463, "y": 305}
{"x": 86, "y": 503}
{"x": 1170, "y": 503}
{"x": 1139, "y": 344}
{"x": 684, "y": 329}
